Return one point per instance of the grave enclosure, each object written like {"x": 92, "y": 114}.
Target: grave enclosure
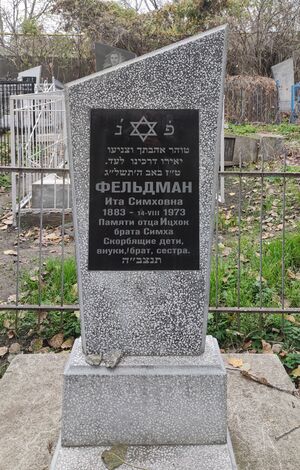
{"x": 144, "y": 139}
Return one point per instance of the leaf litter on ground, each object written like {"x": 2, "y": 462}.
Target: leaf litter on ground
{"x": 116, "y": 456}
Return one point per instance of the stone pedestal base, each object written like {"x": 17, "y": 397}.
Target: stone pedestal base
{"x": 178, "y": 400}
{"x": 170, "y": 412}
{"x": 210, "y": 457}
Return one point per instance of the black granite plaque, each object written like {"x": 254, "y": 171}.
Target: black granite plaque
{"x": 144, "y": 190}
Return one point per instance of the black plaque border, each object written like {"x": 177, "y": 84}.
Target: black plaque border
{"x": 197, "y": 202}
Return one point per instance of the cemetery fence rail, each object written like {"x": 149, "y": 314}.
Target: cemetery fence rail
{"x": 237, "y": 177}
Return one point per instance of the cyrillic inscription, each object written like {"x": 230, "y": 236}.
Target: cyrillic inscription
{"x": 144, "y": 190}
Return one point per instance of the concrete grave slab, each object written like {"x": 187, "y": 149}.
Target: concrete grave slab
{"x": 245, "y": 149}
{"x": 52, "y": 192}
{"x": 30, "y": 409}
{"x": 271, "y": 147}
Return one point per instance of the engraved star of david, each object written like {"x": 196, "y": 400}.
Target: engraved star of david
{"x": 143, "y": 122}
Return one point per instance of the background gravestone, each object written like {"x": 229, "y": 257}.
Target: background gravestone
{"x": 33, "y": 74}
{"x": 108, "y": 56}
{"x": 156, "y": 302}
{"x": 283, "y": 74}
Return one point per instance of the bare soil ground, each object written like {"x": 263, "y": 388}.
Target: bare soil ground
{"x": 29, "y": 241}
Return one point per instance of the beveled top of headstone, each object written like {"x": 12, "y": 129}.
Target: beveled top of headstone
{"x": 144, "y": 139}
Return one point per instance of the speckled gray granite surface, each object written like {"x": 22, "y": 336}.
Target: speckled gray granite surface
{"x": 149, "y": 312}
{"x": 213, "y": 457}
{"x": 146, "y": 400}
{"x": 31, "y": 394}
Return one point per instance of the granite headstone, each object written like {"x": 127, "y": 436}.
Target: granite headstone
{"x": 144, "y": 139}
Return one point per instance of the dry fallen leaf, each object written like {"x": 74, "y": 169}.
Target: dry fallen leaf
{"x": 3, "y": 351}
{"x": 226, "y": 251}
{"x": 291, "y": 274}
{"x": 30, "y": 333}
{"x": 114, "y": 457}
{"x": 14, "y": 348}
{"x": 290, "y": 318}
{"x": 42, "y": 316}
{"x": 235, "y": 362}
{"x": 44, "y": 350}
{"x": 8, "y": 221}
{"x": 56, "y": 341}
{"x": 52, "y": 237}
{"x": 8, "y": 324}
{"x": 36, "y": 344}
{"x": 75, "y": 289}
{"x": 68, "y": 343}
{"x": 262, "y": 279}
{"x": 267, "y": 348}
{"x": 296, "y": 372}
{"x": 10, "y": 252}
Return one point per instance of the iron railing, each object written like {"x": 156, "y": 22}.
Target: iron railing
{"x": 280, "y": 180}
{"x": 8, "y": 88}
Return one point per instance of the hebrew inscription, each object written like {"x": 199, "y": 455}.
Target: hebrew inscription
{"x": 144, "y": 190}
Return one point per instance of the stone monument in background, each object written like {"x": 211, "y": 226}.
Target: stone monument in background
{"x": 144, "y": 378}
{"x": 283, "y": 74}
{"x": 108, "y": 56}
{"x": 31, "y": 75}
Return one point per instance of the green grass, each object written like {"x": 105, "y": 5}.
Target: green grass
{"x": 50, "y": 293}
{"x": 241, "y": 129}
{"x": 231, "y": 330}
{"x": 5, "y": 151}
{"x": 227, "y": 328}
{"x": 5, "y": 181}
{"x": 290, "y": 131}
{"x": 250, "y": 293}
{"x": 52, "y": 282}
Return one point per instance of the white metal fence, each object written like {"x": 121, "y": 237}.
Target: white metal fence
{"x": 38, "y": 140}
